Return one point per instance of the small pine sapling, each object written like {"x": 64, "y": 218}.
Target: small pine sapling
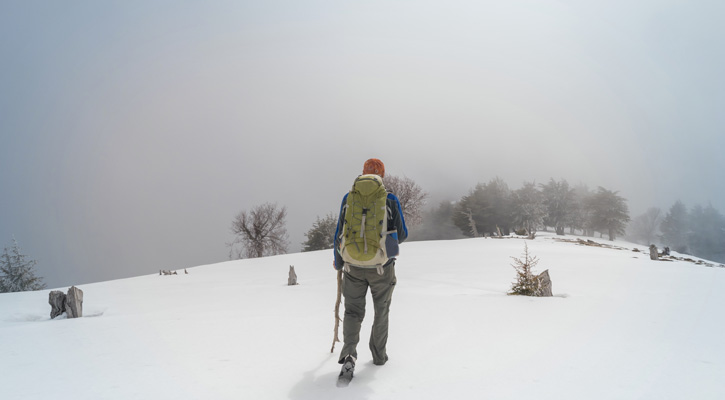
{"x": 526, "y": 283}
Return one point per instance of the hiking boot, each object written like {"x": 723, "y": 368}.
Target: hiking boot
{"x": 346, "y": 373}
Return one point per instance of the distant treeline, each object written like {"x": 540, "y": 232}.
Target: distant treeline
{"x": 699, "y": 231}
{"x": 492, "y": 209}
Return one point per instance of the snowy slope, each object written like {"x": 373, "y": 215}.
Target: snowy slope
{"x": 619, "y": 327}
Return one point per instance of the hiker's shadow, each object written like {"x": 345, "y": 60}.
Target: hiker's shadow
{"x": 320, "y": 382}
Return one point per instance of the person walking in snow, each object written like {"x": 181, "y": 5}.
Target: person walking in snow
{"x": 369, "y": 228}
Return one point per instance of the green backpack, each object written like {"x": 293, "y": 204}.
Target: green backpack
{"x": 365, "y": 225}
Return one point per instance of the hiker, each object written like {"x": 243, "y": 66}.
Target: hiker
{"x": 352, "y": 250}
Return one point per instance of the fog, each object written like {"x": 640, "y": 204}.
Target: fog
{"x": 133, "y": 132}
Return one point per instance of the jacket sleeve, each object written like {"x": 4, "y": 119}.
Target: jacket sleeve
{"x": 397, "y": 220}
{"x": 339, "y": 263}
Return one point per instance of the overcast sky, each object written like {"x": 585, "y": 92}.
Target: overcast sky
{"x": 134, "y": 131}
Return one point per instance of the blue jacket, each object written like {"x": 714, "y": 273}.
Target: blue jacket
{"x": 395, "y": 221}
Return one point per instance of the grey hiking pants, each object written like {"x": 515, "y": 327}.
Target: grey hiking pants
{"x": 354, "y": 288}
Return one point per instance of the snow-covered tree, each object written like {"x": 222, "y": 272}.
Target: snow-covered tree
{"x": 260, "y": 232}
{"x": 579, "y": 214}
{"x": 559, "y": 200}
{"x": 437, "y": 224}
{"x": 321, "y": 235}
{"x": 608, "y": 213}
{"x": 489, "y": 206}
{"x": 706, "y": 236}
{"x": 17, "y": 272}
{"x": 643, "y": 228}
{"x": 675, "y": 228}
{"x": 470, "y": 212}
{"x": 527, "y": 208}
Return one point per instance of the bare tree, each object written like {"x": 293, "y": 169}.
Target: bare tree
{"x": 412, "y": 197}
{"x": 260, "y": 232}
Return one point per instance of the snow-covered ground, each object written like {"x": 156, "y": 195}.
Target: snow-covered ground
{"x": 619, "y": 327}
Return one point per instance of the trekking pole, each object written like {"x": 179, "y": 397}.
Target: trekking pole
{"x": 337, "y": 309}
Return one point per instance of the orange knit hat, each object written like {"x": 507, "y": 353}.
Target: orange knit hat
{"x": 374, "y": 166}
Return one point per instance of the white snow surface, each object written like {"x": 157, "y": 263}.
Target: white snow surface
{"x": 619, "y": 326}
